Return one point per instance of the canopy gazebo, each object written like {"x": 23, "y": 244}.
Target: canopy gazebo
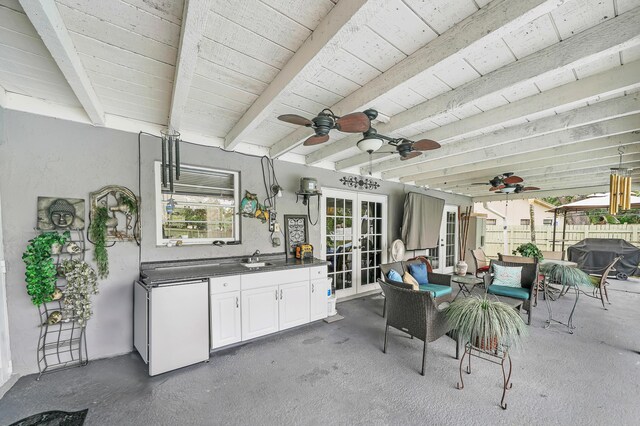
{"x": 591, "y": 203}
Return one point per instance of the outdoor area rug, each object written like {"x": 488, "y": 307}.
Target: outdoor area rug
{"x": 54, "y": 418}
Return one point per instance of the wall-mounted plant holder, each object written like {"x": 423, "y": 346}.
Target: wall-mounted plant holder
{"x": 122, "y": 206}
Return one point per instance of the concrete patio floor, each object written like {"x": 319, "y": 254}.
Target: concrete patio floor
{"x": 337, "y": 374}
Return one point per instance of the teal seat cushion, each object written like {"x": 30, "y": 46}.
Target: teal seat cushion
{"x": 515, "y": 292}
{"x": 436, "y": 290}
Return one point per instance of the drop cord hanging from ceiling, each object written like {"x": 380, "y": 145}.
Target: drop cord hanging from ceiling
{"x": 272, "y": 188}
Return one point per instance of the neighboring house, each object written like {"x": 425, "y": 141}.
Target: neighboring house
{"x": 517, "y": 212}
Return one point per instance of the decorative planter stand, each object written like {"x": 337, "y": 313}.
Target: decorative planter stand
{"x": 62, "y": 345}
{"x": 497, "y": 356}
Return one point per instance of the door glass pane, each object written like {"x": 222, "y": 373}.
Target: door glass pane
{"x": 348, "y": 208}
{"x": 331, "y": 207}
{"x": 433, "y": 254}
{"x": 450, "y": 243}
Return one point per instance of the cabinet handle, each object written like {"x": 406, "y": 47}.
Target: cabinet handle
{"x": 276, "y": 294}
{"x": 280, "y": 294}
{"x": 237, "y": 305}
{"x": 224, "y": 285}
{"x": 313, "y": 288}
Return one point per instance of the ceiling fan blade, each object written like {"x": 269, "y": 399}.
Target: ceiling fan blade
{"x": 530, "y": 188}
{"x": 412, "y": 154}
{"x": 295, "y": 119}
{"x": 316, "y": 140}
{"x": 425, "y": 145}
{"x": 479, "y": 183}
{"x": 512, "y": 180}
{"x": 493, "y": 188}
{"x": 356, "y": 122}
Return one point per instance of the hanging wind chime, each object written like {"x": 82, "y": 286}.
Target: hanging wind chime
{"x": 170, "y": 154}
{"x": 619, "y": 187}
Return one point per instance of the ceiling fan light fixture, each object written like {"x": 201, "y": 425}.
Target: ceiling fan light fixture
{"x": 508, "y": 189}
{"x": 370, "y": 143}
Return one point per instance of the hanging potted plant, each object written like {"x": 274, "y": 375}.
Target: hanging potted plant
{"x": 40, "y": 271}
{"x": 82, "y": 282}
{"x": 98, "y": 236}
{"x": 486, "y": 323}
{"x": 529, "y": 250}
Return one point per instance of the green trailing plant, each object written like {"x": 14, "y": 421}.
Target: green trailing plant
{"x": 565, "y": 275}
{"x": 132, "y": 205}
{"x": 40, "y": 273}
{"x": 481, "y": 320}
{"x": 98, "y": 235}
{"x": 529, "y": 250}
{"x": 82, "y": 282}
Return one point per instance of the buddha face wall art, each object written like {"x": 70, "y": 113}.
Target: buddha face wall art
{"x": 56, "y": 213}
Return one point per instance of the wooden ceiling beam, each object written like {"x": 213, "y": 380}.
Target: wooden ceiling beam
{"x": 540, "y": 177}
{"x": 500, "y": 143}
{"x": 341, "y": 24}
{"x": 494, "y": 20}
{"x": 522, "y": 164}
{"x": 594, "y": 43}
{"x": 616, "y": 126}
{"x": 576, "y": 189}
{"x": 46, "y": 19}
{"x": 556, "y": 188}
{"x": 604, "y": 84}
{"x": 194, "y": 23}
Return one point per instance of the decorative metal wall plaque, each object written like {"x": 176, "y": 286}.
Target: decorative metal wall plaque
{"x": 295, "y": 231}
{"x": 359, "y": 182}
{"x": 123, "y": 208}
{"x": 60, "y": 213}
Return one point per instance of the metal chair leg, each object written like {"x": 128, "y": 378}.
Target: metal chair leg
{"x": 424, "y": 357}
{"x": 384, "y": 308}
{"x": 386, "y": 331}
{"x": 529, "y": 319}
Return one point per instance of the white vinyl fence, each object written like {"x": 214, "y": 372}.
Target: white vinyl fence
{"x": 519, "y": 234}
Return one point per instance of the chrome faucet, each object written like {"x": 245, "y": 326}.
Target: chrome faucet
{"x": 254, "y": 257}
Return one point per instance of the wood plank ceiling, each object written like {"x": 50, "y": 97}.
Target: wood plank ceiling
{"x": 544, "y": 88}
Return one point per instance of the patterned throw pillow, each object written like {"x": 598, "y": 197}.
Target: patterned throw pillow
{"x": 394, "y": 276}
{"x": 407, "y": 278}
{"x": 508, "y": 276}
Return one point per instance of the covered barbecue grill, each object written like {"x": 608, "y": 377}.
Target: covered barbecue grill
{"x": 595, "y": 254}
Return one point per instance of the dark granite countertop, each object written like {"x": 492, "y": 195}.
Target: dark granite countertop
{"x": 153, "y": 273}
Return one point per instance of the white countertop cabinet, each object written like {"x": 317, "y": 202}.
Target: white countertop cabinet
{"x": 241, "y": 307}
{"x": 224, "y": 311}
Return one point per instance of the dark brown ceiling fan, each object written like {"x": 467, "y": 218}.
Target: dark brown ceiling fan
{"x": 372, "y": 141}
{"x": 358, "y": 122}
{"x": 501, "y": 181}
{"x": 326, "y": 121}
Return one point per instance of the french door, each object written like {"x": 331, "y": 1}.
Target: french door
{"x": 444, "y": 257}
{"x": 354, "y": 235}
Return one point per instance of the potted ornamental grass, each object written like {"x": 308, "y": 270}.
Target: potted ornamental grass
{"x": 486, "y": 323}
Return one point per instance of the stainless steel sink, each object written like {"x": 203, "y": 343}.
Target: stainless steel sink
{"x": 256, "y": 264}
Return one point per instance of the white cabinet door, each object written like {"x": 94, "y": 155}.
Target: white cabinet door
{"x": 225, "y": 319}
{"x": 319, "y": 299}
{"x": 259, "y": 312}
{"x": 294, "y": 304}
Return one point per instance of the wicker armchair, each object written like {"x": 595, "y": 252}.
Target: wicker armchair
{"x": 415, "y": 313}
{"x": 528, "y": 281}
{"x": 481, "y": 262}
{"x": 401, "y": 268}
